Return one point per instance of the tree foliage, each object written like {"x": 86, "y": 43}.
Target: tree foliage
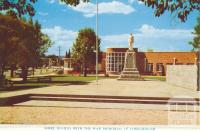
{"x": 22, "y": 7}
{"x": 10, "y": 36}
{"x": 22, "y": 43}
{"x": 180, "y": 7}
{"x": 150, "y": 50}
{"x": 196, "y": 40}
{"x": 18, "y": 7}
{"x": 83, "y": 50}
{"x": 68, "y": 54}
{"x": 73, "y": 2}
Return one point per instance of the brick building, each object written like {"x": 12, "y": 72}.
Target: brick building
{"x": 149, "y": 63}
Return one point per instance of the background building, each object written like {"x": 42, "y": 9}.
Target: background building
{"x": 148, "y": 63}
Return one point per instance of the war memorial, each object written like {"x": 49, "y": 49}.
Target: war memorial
{"x": 130, "y": 71}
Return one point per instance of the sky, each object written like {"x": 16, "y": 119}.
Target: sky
{"x": 117, "y": 19}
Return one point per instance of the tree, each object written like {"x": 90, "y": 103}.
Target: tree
{"x": 196, "y": 40}
{"x": 18, "y": 7}
{"x": 25, "y": 7}
{"x": 35, "y": 45}
{"x": 66, "y": 54}
{"x": 10, "y": 36}
{"x": 149, "y": 50}
{"x": 69, "y": 54}
{"x": 182, "y": 8}
{"x": 73, "y": 2}
{"x": 83, "y": 50}
{"x": 22, "y": 43}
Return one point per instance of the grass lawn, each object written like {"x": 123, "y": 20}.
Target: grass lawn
{"x": 64, "y": 80}
{"x": 160, "y": 78}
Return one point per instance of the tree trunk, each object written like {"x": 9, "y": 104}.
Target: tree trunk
{"x": 12, "y": 72}
{"x": 12, "y": 69}
{"x": 81, "y": 69}
{"x": 24, "y": 73}
{"x": 2, "y": 69}
{"x": 84, "y": 69}
{"x": 33, "y": 71}
{"x": 1, "y": 75}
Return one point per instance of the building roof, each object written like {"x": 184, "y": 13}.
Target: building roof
{"x": 110, "y": 50}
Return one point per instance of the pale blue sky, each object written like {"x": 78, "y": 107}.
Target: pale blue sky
{"x": 117, "y": 18}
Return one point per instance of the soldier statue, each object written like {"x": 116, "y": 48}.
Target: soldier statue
{"x": 131, "y": 41}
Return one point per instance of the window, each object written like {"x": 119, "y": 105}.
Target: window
{"x": 159, "y": 67}
{"x": 150, "y": 67}
{"x": 115, "y": 61}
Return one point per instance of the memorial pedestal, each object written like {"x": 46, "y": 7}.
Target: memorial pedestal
{"x": 130, "y": 71}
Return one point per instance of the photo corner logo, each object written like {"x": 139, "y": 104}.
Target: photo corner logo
{"x": 183, "y": 110}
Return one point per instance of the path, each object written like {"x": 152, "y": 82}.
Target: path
{"x": 62, "y": 112}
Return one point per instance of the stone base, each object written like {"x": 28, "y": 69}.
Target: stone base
{"x": 130, "y": 71}
{"x": 130, "y": 74}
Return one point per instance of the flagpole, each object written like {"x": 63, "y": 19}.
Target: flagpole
{"x": 97, "y": 11}
{"x": 198, "y": 70}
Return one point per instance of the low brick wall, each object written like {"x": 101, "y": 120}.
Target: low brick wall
{"x": 182, "y": 75}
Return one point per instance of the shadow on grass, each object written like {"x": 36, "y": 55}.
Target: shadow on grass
{"x": 9, "y": 101}
{"x": 49, "y": 83}
{"x": 33, "y": 83}
{"x": 24, "y": 86}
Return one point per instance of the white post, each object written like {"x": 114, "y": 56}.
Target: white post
{"x": 174, "y": 63}
{"x": 145, "y": 64}
{"x": 195, "y": 61}
{"x": 97, "y": 40}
